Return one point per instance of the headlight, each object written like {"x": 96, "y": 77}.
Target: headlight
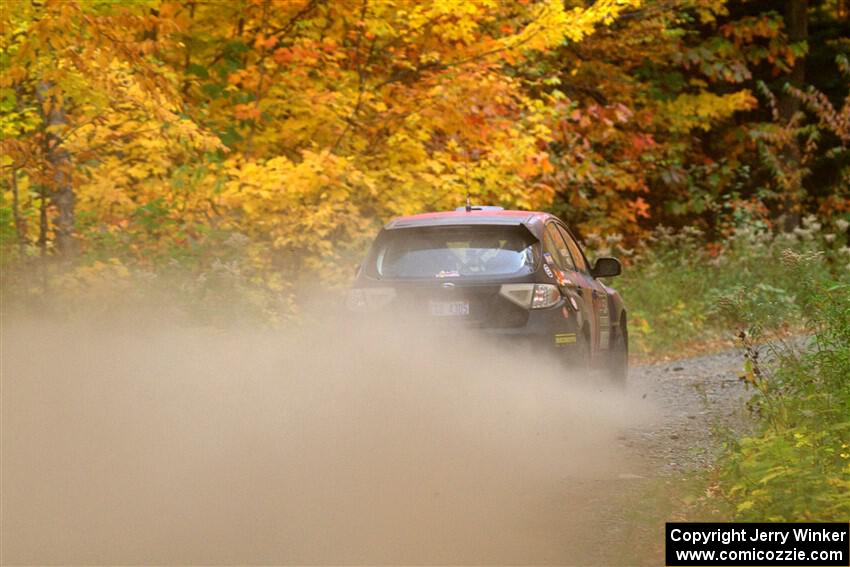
{"x": 369, "y": 298}
{"x": 531, "y": 296}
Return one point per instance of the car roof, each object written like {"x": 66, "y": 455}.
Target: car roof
{"x": 531, "y": 219}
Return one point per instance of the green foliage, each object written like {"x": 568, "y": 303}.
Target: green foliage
{"x": 683, "y": 291}
{"x": 797, "y": 465}
{"x": 7, "y": 230}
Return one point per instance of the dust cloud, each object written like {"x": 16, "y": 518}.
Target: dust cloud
{"x": 129, "y": 438}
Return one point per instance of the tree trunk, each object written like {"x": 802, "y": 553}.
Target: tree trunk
{"x": 42, "y": 220}
{"x": 187, "y": 56}
{"x": 59, "y": 161}
{"x": 20, "y": 225}
{"x": 797, "y": 28}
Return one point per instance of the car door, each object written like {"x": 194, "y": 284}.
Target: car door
{"x": 598, "y": 296}
{"x": 572, "y": 283}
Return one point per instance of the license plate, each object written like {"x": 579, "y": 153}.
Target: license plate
{"x": 449, "y": 308}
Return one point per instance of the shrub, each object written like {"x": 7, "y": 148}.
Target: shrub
{"x": 797, "y": 464}
{"x": 679, "y": 289}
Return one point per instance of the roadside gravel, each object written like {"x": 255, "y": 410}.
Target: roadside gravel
{"x": 696, "y": 400}
{"x": 693, "y": 403}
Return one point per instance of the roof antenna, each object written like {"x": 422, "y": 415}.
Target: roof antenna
{"x": 468, "y": 203}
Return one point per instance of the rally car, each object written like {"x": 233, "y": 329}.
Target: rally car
{"x": 516, "y": 274}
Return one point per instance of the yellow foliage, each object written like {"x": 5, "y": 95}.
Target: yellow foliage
{"x": 705, "y": 110}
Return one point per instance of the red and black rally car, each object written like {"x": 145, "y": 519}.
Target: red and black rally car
{"x": 517, "y": 274}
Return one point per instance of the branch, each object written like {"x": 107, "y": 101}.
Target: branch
{"x": 284, "y": 30}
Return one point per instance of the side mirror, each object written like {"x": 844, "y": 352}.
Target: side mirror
{"x": 606, "y": 268}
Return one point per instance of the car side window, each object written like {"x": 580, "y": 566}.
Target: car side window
{"x": 554, "y": 243}
{"x": 578, "y": 257}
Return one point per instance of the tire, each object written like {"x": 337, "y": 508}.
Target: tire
{"x": 617, "y": 364}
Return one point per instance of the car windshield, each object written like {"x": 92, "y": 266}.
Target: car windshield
{"x": 440, "y": 252}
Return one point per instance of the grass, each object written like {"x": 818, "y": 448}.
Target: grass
{"x": 759, "y": 288}
{"x": 785, "y": 298}
{"x": 679, "y": 290}
{"x": 797, "y": 464}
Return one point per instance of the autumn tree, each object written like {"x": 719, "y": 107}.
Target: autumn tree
{"x": 82, "y": 92}
{"x": 271, "y": 138}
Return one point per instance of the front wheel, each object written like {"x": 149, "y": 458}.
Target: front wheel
{"x": 617, "y": 365}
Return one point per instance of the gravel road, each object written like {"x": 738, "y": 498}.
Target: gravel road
{"x": 695, "y": 398}
{"x": 160, "y": 446}
{"x": 695, "y": 402}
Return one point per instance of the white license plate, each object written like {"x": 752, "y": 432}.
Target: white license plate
{"x": 449, "y": 308}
